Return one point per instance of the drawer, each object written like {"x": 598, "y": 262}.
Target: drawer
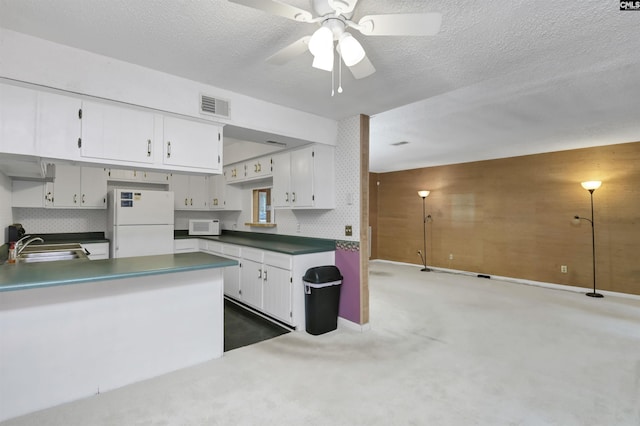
{"x": 232, "y": 250}
{"x": 211, "y": 246}
{"x": 279, "y": 260}
{"x": 252, "y": 254}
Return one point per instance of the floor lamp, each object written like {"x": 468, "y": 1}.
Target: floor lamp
{"x": 423, "y": 194}
{"x": 591, "y": 186}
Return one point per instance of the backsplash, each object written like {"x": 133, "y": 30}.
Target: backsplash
{"x": 60, "y": 220}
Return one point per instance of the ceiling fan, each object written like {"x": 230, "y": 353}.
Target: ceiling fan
{"x": 334, "y": 19}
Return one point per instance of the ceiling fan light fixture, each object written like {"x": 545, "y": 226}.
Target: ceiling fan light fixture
{"x": 350, "y": 49}
{"x": 323, "y": 61}
{"x": 321, "y": 41}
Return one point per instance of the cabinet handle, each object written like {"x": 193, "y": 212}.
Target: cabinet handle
{"x": 293, "y": 197}
{"x": 286, "y": 198}
{"x": 148, "y": 147}
{"x": 259, "y": 167}
{"x": 75, "y": 198}
{"x": 168, "y": 149}
{"x": 255, "y": 168}
{"x": 83, "y": 199}
{"x": 191, "y": 201}
{"x": 185, "y": 202}
{"x": 260, "y": 273}
{"x": 265, "y": 275}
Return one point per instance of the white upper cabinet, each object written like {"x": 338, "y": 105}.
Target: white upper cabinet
{"x": 78, "y": 128}
{"x": 258, "y": 168}
{"x": 112, "y": 132}
{"x": 304, "y": 179}
{"x": 79, "y": 187}
{"x": 281, "y": 191}
{"x": 192, "y": 144}
{"x": 59, "y": 126}
{"x": 18, "y": 114}
{"x": 190, "y": 192}
{"x": 223, "y": 196}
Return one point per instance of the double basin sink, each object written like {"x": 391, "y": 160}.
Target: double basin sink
{"x": 51, "y": 253}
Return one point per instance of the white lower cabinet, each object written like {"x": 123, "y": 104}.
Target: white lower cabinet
{"x": 268, "y": 281}
{"x": 96, "y": 251}
{"x": 189, "y": 245}
{"x": 277, "y": 293}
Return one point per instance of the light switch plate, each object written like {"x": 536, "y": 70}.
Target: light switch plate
{"x": 348, "y": 231}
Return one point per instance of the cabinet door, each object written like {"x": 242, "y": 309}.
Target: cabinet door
{"x": 18, "y": 110}
{"x": 216, "y": 192}
{"x": 66, "y": 187}
{"x": 251, "y": 287}
{"x": 277, "y": 293}
{"x": 192, "y": 144}
{"x": 97, "y": 250}
{"x": 93, "y": 185}
{"x": 234, "y": 173}
{"x": 258, "y": 168}
{"x": 281, "y": 192}
{"x": 153, "y": 177}
{"x": 232, "y": 279}
{"x": 59, "y": 126}
{"x": 25, "y": 193}
{"x": 180, "y": 187}
{"x": 302, "y": 178}
{"x": 116, "y": 133}
{"x": 198, "y": 192}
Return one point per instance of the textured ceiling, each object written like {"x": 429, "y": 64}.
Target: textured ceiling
{"x": 502, "y": 78}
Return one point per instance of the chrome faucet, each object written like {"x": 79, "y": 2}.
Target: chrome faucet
{"x": 19, "y": 248}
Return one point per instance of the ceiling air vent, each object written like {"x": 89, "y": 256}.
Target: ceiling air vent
{"x": 214, "y": 106}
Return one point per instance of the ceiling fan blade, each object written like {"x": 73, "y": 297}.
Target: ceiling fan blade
{"x": 286, "y": 54}
{"x": 409, "y": 24}
{"x": 362, "y": 69}
{"x": 277, "y": 8}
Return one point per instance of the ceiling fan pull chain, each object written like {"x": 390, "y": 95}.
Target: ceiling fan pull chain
{"x": 339, "y": 71}
{"x": 332, "y": 82}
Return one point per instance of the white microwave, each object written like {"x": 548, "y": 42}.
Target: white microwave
{"x": 204, "y": 227}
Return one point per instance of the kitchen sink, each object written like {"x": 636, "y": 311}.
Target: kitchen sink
{"x": 51, "y": 253}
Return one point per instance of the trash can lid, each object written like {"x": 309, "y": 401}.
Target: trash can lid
{"x": 322, "y": 274}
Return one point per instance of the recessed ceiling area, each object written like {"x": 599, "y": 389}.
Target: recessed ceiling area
{"x": 500, "y": 78}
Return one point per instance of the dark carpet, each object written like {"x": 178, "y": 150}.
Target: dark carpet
{"x": 242, "y": 327}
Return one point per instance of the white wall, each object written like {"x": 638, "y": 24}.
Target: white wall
{"x": 42, "y": 62}
{"x": 6, "y": 218}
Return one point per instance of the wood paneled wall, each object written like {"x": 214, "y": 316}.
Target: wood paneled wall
{"x": 512, "y": 217}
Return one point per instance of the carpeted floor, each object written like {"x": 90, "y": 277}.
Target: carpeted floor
{"x": 242, "y": 327}
{"x": 443, "y": 349}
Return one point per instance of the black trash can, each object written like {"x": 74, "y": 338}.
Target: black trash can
{"x": 322, "y": 298}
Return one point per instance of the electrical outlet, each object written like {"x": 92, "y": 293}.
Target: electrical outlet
{"x": 563, "y": 269}
{"x": 298, "y": 228}
{"x": 348, "y": 230}
{"x": 450, "y": 256}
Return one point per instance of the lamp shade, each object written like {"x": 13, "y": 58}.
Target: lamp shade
{"x": 350, "y": 49}
{"x": 323, "y": 61}
{"x": 423, "y": 193}
{"x": 321, "y": 42}
{"x": 591, "y": 185}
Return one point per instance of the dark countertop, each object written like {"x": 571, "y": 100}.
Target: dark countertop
{"x": 23, "y": 276}
{"x": 286, "y": 244}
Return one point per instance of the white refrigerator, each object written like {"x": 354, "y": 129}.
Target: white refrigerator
{"x": 140, "y": 222}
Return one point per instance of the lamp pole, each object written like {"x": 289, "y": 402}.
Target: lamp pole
{"x": 423, "y": 194}
{"x": 591, "y": 186}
